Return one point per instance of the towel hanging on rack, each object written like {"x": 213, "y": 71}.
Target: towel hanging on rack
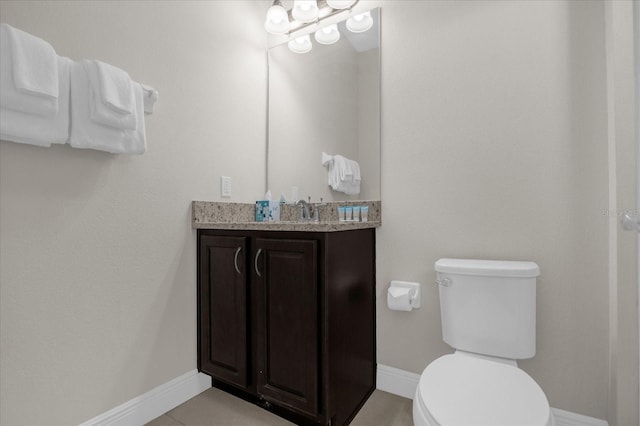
{"x": 29, "y": 80}
{"x": 343, "y": 174}
{"x": 33, "y": 129}
{"x": 90, "y": 134}
{"x": 111, "y": 99}
{"x": 38, "y": 106}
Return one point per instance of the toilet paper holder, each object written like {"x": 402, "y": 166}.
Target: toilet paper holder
{"x": 403, "y": 295}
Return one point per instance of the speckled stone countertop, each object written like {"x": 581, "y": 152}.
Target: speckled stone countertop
{"x": 241, "y": 216}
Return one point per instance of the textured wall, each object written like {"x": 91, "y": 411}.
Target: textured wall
{"x": 494, "y": 146}
{"x": 97, "y": 255}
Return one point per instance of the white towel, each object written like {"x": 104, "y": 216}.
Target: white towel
{"x": 86, "y": 133}
{"x": 116, "y": 80}
{"x": 343, "y": 174}
{"x": 20, "y": 66}
{"x": 38, "y": 130}
{"x": 115, "y": 87}
{"x": 349, "y": 170}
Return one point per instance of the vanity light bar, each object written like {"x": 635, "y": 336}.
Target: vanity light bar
{"x": 278, "y": 19}
{"x": 275, "y": 20}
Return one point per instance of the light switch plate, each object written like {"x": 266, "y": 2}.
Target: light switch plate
{"x": 225, "y": 186}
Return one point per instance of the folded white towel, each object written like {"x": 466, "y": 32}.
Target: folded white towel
{"x": 102, "y": 111}
{"x": 115, "y": 88}
{"x": 348, "y": 170}
{"x": 343, "y": 174}
{"x": 34, "y": 64}
{"x": 12, "y": 72}
{"x": 38, "y": 130}
{"x": 86, "y": 133}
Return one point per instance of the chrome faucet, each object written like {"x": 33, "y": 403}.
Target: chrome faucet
{"x": 307, "y": 210}
{"x": 305, "y": 213}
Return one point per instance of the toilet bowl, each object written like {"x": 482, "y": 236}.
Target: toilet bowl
{"x": 465, "y": 390}
{"x": 488, "y": 313}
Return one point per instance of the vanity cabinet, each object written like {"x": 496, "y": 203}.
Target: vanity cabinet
{"x": 223, "y": 297}
{"x": 287, "y": 319}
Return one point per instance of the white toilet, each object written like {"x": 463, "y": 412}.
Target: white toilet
{"x": 488, "y": 313}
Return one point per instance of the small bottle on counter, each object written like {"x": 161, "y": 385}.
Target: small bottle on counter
{"x": 342, "y": 211}
{"x": 356, "y": 214}
{"x": 364, "y": 213}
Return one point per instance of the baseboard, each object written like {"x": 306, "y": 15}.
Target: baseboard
{"x": 156, "y": 402}
{"x": 404, "y": 383}
{"x": 148, "y": 406}
{"x": 396, "y": 381}
{"x": 567, "y": 418}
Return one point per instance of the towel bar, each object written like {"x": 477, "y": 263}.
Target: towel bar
{"x": 150, "y": 97}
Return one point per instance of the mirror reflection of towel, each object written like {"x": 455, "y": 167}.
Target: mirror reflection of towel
{"x": 343, "y": 174}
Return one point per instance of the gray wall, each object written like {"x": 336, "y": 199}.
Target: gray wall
{"x": 493, "y": 122}
{"x": 494, "y": 146}
{"x": 97, "y": 290}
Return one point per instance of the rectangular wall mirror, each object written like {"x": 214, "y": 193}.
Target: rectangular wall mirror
{"x": 326, "y": 100}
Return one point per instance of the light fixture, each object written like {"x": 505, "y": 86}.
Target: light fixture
{"x": 308, "y": 15}
{"x": 340, "y": 4}
{"x": 328, "y": 34}
{"x": 305, "y": 10}
{"x": 301, "y": 44}
{"x": 360, "y": 23}
{"x": 277, "y": 21}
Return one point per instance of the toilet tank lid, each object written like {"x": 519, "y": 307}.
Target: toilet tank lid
{"x": 493, "y": 268}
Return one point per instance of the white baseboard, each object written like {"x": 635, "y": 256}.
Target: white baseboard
{"x": 567, "y": 418}
{"x": 397, "y": 382}
{"x": 404, "y": 383}
{"x": 156, "y": 402}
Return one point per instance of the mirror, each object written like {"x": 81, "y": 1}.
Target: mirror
{"x": 326, "y": 100}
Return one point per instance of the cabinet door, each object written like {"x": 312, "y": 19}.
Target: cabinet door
{"x": 286, "y": 289}
{"x": 222, "y": 339}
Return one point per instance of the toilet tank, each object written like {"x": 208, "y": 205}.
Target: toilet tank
{"x": 489, "y": 307}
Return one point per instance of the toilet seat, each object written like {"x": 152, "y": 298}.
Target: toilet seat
{"x": 459, "y": 389}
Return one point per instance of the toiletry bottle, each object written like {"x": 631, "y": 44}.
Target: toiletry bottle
{"x": 356, "y": 214}
{"x": 364, "y": 213}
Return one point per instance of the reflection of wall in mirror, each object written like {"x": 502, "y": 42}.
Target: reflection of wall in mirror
{"x": 326, "y": 100}
{"x": 369, "y": 123}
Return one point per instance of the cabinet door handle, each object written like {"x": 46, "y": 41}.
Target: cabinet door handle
{"x": 235, "y": 260}
{"x": 255, "y": 262}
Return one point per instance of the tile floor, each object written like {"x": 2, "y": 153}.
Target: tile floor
{"x": 217, "y": 408}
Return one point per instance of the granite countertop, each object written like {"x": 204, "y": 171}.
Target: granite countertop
{"x": 240, "y": 216}
{"x": 288, "y": 226}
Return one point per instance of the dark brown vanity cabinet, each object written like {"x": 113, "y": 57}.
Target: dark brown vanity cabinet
{"x": 223, "y": 307}
{"x": 287, "y": 319}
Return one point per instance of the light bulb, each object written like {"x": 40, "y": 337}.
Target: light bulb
{"x": 277, "y": 21}
{"x": 301, "y": 44}
{"x": 340, "y": 4}
{"x": 328, "y": 34}
{"x": 360, "y": 23}
{"x": 305, "y": 10}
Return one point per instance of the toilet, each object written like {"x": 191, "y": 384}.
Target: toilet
{"x": 488, "y": 311}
